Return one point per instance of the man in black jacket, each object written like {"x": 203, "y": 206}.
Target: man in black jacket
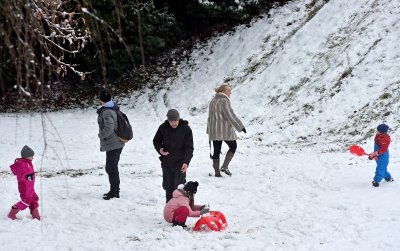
{"x": 174, "y": 142}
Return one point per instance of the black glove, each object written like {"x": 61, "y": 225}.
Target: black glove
{"x": 244, "y": 130}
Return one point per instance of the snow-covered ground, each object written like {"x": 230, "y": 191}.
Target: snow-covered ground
{"x": 308, "y": 81}
{"x": 275, "y": 200}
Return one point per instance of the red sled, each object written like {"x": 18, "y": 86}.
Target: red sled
{"x": 216, "y": 221}
{"x": 357, "y": 150}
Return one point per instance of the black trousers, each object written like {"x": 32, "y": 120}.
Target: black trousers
{"x": 172, "y": 177}
{"x": 112, "y": 159}
{"x": 218, "y": 145}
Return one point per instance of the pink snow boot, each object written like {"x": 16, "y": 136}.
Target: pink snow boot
{"x": 35, "y": 214}
{"x": 13, "y": 213}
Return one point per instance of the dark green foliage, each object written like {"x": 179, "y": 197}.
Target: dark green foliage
{"x": 165, "y": 24}
{"x": 158, "y": 29}
{"x": 196, "y": 17}
{"x": 115, "y": 48}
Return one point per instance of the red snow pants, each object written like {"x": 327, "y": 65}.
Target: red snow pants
{"x": 181, "y": 214}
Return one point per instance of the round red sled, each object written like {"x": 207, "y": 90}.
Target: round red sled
{"x": 216, "y": 221}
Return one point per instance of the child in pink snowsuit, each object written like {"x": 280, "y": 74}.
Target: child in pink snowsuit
{"x": 182, "y": 205}
{"x": 23, "y": 169}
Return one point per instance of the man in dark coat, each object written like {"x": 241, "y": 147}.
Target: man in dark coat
{"x": 174, "y": 142}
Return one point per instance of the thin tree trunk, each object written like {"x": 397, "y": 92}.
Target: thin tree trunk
{"x": 140, "y": 32}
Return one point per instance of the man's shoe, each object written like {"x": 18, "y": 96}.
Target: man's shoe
{"x": 110, "y": 195}
{"x": 390, "y": 179}
{"x": 375, "y": 184}
{"x": 107, "y": 194}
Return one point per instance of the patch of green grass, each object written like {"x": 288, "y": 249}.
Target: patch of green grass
{"x": 385, "y": 96}
{"x": 228, "y": 79}
{"x": 252, "y": 68}
{"x": 308, "y": 109}
{"x": 346, "y": 73}
{"x": 354, "y": 133}
{"x": 294, "y": 88}
{"x": 369, "y": 134}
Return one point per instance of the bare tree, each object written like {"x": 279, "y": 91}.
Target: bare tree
{"x": 40, "y": 38}
{"x": 39, "y": 35}
{"x": 140, "y": 31}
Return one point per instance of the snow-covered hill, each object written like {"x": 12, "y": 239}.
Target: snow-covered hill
{"x": 309, "y": 79}
{"x": 322, "y": 72}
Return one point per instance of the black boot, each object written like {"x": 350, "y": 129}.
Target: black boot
{"x": 110, "y": 195}
{"x": 175, "y": 223}
{"x": 375, "y": 184}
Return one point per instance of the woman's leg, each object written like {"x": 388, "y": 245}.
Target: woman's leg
{"x": 215, "y": 157}
{"x": 229, "y": 156}
{"x": 232, "y": 146}
{"x": 217, "y": 145}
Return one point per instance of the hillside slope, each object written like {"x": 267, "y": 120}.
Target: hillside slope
{"x": 320, "y": 72}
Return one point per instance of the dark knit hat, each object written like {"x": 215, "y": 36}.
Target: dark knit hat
{"x": 173, "y": 115}
{"x": 383, "y": 128}
{"x": 191, "y": 186}
{"x": 105, "y": 96}
{"x": 27, "y": 152}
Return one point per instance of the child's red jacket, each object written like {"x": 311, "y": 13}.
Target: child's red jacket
{"x": 383, "y": 142}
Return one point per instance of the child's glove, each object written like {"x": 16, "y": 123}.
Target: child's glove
{"x": 373, "y": 156}
{"x": 204, "y": 210}
{"x": 204, "y": 206}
